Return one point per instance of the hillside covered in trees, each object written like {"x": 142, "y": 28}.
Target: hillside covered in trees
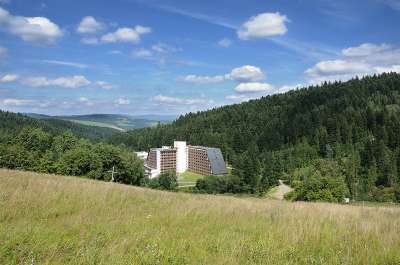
{"x": 62, "y": 147}
{"x": 331, "y": 141}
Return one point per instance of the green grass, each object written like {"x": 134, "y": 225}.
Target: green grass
{"x": 94, "y": 123}
{"x": 67, "y": 220}
{"x": 190, "y": 177}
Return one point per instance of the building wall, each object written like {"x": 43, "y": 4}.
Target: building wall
{"x": 168, "y": 160}
{"x": 198, "y": 160}
{"x": 181, "y": 156}
{"x": 152, "y": 159}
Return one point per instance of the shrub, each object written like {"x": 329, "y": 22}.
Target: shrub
{"x": 166, "y": 181}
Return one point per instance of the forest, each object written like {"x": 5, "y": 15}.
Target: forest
{"x": 330, "y": 141}
{"x": 65, "y": 148}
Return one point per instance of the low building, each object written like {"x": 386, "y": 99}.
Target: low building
{"x": 180, "y": 158}
{"x": 142, "y": 155}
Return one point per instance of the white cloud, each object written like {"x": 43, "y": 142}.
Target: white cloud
{"x": 122, "y": 101}
{"x": 67, "y": 82}
{"x": 337, "y": 70}
{"x": 365, "y": 59}
{"x": 63, "y": 63}
{"x": 85, "y": 101}
{"x": 224, "y": 43}
{"x": 131, "y": 35}
{"x": 263, "y": 25}
{"x": 365, "y": 49}
{"x": 201, "y": 79}
{"x": 393, "y": 68}
{"x": 335, "y": 67}
{"x": 142, "y": 53}
{"x": 253, "y": 87}
{"x": 240, "y": 98}
{"x": 164, "y": 48}
{"x": 181, "y": 101}
{"x": 243, "y": 74}
{"x": 247, "y": 73}
{"x": 8, "y": 78}
{"x": 89, "y": 25}
{"x": 30, "y": 29}
{"x": 286, "y": 88}
{"x": 104, "y": 85}
{"x": 13, "y": 102}
{"x": 90, "y": 40}
{"x": 3, "y": 51}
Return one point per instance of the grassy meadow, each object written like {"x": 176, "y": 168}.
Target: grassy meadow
{"x": 66, "y": 220}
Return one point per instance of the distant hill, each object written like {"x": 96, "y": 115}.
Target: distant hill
{"x": 114, "y": 121}
{"x": 14, "y": 122}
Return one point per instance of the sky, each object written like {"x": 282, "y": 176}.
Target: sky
{"x": 170, "y": 57}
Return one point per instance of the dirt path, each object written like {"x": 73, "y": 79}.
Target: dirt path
{"x": 282, "y": 189}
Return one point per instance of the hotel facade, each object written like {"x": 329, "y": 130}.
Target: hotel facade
{"x": 181, "y": 157}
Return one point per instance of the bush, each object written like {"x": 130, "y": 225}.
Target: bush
{"x": 323, "y": 181}
{"x": 166, "y": 181}
{"x": 219, "y": 184}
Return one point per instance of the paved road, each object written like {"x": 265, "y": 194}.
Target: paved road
{"x": 281, "y": 191}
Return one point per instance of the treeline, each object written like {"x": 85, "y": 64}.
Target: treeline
{"x": 25, "y": 145}
{"x": 342, "y": 135}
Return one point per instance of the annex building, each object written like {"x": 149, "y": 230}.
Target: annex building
{"x": 181, "y": 157}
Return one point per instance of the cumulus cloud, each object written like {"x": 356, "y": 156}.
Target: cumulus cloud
{"x": 263, "y": 26}
{"x": 253, "y": 87}
{"x": 89, "y": 25}
{"x": 224, "y": 43}
{"x": 335, "y": 67}
{"x": 30, "y": 29}
{"x": 182, "y": 101}
{"x": 8, "y": 78}
{"x": 66, "y": 82}
{"x": 131, "y": 35}
{"x": 365, "y": 59}
{"x": 246, "y": 73}
{"x": 366, "y": 49}
{"x": 3, "y": 51}
{"x": 122, "y": 101}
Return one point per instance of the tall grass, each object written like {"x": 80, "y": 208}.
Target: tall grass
{"x": 66, "y": 220}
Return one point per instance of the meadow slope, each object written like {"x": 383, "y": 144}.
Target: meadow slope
{"x": 66, "y": 220}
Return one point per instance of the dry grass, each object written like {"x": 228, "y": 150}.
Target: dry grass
{"x": 65, "y": 220}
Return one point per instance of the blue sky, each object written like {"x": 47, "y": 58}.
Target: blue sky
{"x": 171, "y": 57}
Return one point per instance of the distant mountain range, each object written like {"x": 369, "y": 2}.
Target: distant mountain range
{"x": 114, "y": 121}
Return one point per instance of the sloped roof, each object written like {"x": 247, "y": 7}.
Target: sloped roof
{"x": 217, "y": 162}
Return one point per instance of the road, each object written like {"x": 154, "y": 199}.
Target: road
{"x": 281, "y": 190}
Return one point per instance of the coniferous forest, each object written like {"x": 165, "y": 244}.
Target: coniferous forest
{"x": 329, "y": 142}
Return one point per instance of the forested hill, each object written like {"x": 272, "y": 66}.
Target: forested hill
{"x": 13, "y": 123}
{"x": 354, "y": 126}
